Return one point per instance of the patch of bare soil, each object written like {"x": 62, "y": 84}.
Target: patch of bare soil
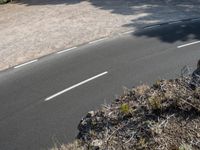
{"x": 34, "y": 28}
{"x": 164, "y": 116}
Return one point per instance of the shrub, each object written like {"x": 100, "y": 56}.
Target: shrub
{"x": 4, "y": 1}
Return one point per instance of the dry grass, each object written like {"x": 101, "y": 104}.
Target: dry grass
{"x": 165, "y": 116}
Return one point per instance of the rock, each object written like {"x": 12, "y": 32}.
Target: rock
{"x": 96, "y": 144}
{"x": 90, "y": 114}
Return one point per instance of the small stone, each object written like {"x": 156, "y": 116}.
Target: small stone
{"x": 90, "y": 114}
{"x": 96, "y": 143}
{"x": 98, "y": 119}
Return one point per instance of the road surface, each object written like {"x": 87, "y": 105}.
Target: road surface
{"x": 42, "y": 101}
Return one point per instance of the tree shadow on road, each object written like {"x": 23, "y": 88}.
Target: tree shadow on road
{"x": 173, "y": 33}
{"x": 144, "y": 13}
{"x": 46, "y": 2}
{"x": 155, "y": 12}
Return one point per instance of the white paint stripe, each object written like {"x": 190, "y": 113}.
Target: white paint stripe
{"x": 188, "y": 44}
{"x": 174, "y": 22}
{"x": 127, "y": 32}
{"x": 98, "y": 40}
{"x": 76, "y": 85}
{"x": 66, "y": 50}
{"x": 195, "y": 19}
{"x": 30, "y": 62}
{"x": 150, "y": 27}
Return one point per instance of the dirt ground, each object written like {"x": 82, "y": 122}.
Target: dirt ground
{"x": 33, "y": 28}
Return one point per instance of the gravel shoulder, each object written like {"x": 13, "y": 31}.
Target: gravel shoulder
{"x": 31, "y": 29}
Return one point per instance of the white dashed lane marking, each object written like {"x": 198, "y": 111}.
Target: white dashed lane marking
{"x": 66, "y": 50}
{"x": 150, "y": 27}
{"x": 188, "y": 44}
{"x": 24, "y": 64}
{"x": 76, "y": 85}
{"x": 99, "y": 40}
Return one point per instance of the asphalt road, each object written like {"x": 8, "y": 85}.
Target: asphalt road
{"x": 41, "y": 103}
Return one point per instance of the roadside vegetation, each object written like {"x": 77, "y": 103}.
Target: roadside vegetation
{"x": 164, "y": 116}
{"x": 4, "y": 1}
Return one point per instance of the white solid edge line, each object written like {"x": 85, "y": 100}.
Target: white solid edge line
{"x": 127, "y": 32}
{"x": 154, "y": 26}
{"x": 27, "y": 63}
{"x": 174, "y": 22}
{"x": 74, "y": 86}
{"x": 66, "y": 50}
{"x": 195, "y": 19}
{"x": 98, "y": 40}
{"x": 188, "y": 44}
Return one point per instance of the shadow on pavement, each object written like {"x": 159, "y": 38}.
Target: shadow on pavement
{"x": 47, "y": 2}
{"x": 146, "y": 12}
{"x": 173, "y": 33}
